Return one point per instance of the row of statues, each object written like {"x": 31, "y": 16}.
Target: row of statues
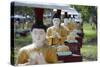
{"x": 47, "y": 43}
{"x": 60, "y": 32}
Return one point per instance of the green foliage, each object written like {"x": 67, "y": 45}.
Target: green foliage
{"x": 86, "y": 11}
{"x": 23, "y": 10}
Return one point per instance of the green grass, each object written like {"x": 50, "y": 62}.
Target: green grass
{"x": 89, "y": 52}
{"x": 22, "y": 41}
{"x": 89, "y": 33}
{"x": 89, "y": 49}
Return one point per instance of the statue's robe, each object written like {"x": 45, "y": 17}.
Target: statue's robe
{"x": 56, "y": 41}
{"x": 27, "y": 52}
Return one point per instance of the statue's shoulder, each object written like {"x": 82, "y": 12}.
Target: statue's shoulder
{"x": 50, "y": 28}
{"x": 26, "y": 48}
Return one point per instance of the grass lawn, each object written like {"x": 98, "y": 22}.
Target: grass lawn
{"x": 89, "y": 52}
{"x": 89, "y": 48}
{"x": 89, "y": 33}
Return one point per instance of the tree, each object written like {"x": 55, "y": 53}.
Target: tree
{"x": 86, "y": 11}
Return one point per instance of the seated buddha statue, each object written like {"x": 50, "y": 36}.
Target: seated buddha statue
{"x": 39, "y": 52}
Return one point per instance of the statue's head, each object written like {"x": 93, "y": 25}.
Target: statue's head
{"x": 38, "y": 32}
{"x": 66, "y": 18}
{"x": 56, "y": 20}
{"x": 66, "y": 21}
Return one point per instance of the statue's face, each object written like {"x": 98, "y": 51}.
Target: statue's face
{"x": 56, "y": 21}
{"x": 38, "y": 35}
{"x": 66, "y": 21}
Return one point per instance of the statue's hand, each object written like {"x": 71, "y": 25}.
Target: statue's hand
{"x": 40, "y": 59}
{"x": 37, "y": 58}
{"x": 58, "y": 35}
{"x": 55, "y": 35}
